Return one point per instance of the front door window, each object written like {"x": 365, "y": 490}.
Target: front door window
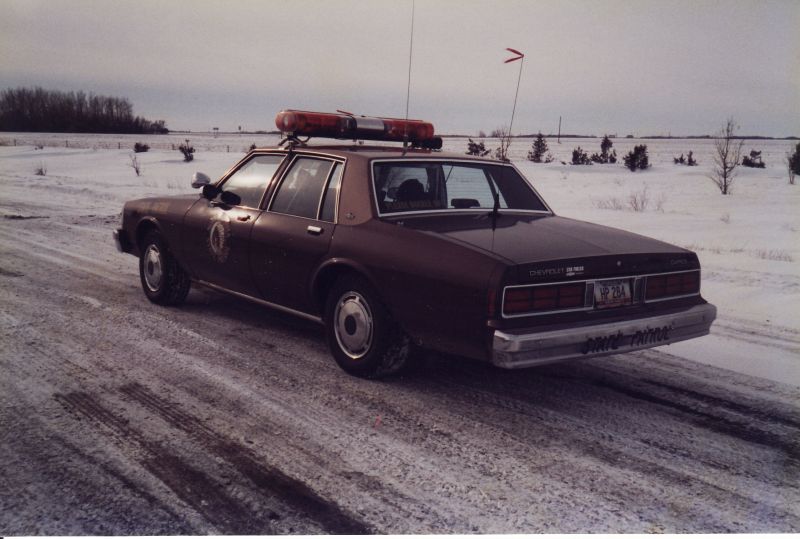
{"x": 246, "y": 186}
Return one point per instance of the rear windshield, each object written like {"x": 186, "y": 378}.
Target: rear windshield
{"x": 440, "y": 186}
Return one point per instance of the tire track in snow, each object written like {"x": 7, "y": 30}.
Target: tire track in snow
{"x": 59, "y": 257}
{"x": 267, "y": 479}
{"x": 195, "y": 488}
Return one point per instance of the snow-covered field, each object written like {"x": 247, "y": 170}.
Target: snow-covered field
{"x": 748, "y": 242}
{"x": 118, "y": 417}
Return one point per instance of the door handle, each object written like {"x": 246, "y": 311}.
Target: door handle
{"x": 315, "y": 230}
{"x": 243, "y": 218}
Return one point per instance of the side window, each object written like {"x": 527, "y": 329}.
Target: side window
{"x": 435, "y": 186}
{"x": 329, "y": 204}
{"x": 468, "y": 187}
{"x": 249, "y": 182}
{"x": 409, "y": 187}
{"x": 299, "y": 193}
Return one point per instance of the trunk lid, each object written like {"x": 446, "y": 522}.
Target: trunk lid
{"x": 551, "y": 248}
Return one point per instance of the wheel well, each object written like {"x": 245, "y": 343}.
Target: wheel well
{"x": 142, "y": 230}
{"x": 325, "y": 280}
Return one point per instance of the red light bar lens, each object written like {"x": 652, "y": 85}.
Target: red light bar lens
{"x": 670, "y": 285}
{"x": 416, "y": 130}
{"x": 344, "y": 126}
{"x": 301, "y": 123}
{"x": 544, "y": 298}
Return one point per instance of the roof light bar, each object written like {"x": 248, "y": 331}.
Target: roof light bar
{"x": 300, "y": 123}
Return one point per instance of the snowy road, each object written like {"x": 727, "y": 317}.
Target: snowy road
{"x": 120, "y": 417}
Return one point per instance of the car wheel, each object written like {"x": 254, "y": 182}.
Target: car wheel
{"x": 363, "y": 337}
{"x": 164, "y": 282}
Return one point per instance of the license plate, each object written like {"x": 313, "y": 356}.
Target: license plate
{"x": 612, "y": 293}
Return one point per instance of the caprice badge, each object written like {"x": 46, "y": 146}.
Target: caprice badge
{"x": 568, "y": 271}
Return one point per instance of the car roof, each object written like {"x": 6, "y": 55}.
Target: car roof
{"x": 379, "y": 152}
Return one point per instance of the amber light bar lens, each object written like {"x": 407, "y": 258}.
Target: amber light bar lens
{"x": 544, "y": 298}
{"x": 670, "y": 285}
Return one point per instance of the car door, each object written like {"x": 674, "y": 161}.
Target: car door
{"x": 291, "y": 238}
{"x": 216, "y": 232}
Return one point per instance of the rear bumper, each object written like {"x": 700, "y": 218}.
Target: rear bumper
{"x": 526, "y": 347}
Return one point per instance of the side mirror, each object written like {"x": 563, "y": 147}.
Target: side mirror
{"x": 199, "y": 180}
{"x": 231, "y": 199}
{"x": 210, "y": 191}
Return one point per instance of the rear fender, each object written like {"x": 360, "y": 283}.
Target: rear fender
{"x": 326, "y": 275}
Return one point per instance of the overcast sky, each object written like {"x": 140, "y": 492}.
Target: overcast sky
{"x": 624, "y": 66}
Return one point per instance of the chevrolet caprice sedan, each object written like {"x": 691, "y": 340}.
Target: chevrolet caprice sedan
{"x": 401, "y": 248}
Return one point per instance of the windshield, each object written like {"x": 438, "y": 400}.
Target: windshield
{"x": 406, "y": 186}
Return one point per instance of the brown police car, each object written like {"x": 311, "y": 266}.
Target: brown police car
{"x": 405, "y": 247}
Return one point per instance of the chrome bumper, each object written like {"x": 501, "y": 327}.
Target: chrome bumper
{"x": 525, "y": 348}
{"x": 122, "y": 242}
{"x": 117, "y": 241}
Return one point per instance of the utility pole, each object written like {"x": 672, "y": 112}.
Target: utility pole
{"x": 559, "y": 129}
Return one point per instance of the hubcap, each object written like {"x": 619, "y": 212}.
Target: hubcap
{"x": 352, "y": 321}
{"x": 153, "y": 272}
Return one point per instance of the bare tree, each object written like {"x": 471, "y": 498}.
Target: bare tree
{"x": 504, "y": 135}
{"x": 793, "y": 163}
{"x": 135, "y": 165}
{"x": 727, "y": 151}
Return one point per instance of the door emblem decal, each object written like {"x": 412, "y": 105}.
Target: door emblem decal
{"x": 219, "y": 236}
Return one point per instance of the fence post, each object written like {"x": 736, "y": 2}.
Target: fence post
{"x": 66, "y": 144}
{"x": 229, "y": 149}
{"x": 119, "y": 145}
{"x": 15, "y": 142}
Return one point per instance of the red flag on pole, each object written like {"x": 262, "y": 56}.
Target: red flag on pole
{"x": 515, "y": 58}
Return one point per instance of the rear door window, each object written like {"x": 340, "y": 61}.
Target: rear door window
{"x": 329, "y": 203}
{"x": 300, "y": 191}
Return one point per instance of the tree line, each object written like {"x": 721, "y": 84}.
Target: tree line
{"x": 41, "y": 110}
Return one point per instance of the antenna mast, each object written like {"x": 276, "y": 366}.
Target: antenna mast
{"x": 408, "y": 88}
{"x": 521, "y": 57}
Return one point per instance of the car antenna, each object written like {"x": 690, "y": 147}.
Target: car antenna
{"x": 504, "y": 156}
{"x": 408, "y": 87}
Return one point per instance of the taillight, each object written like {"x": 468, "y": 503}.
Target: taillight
{"x": 544, "y": 298}
{"x": 671, "y": 285}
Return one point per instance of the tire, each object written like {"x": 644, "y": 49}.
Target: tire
{"x": 164, "y": 282}
{"x": 362, "y": 336}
